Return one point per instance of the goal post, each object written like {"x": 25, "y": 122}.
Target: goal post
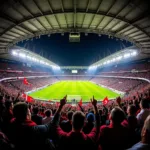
{"x": 72, "y": 97}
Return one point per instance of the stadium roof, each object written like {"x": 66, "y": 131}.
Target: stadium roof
{"x": 25, "y": 19}
{"x": 25, "y": 55}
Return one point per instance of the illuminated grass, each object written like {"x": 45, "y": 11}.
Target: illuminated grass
{"x": 74, "y": 89}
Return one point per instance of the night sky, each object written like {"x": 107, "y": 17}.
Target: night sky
{"x": 58, "y": 49}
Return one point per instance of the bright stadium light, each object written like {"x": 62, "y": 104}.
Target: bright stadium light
{"x": 46, "y": 63}
{"x": 22, "y": 55}
{"x": 35, "y": 60}
{"x": 134, "y": 53}
{"x": 14, "y": 53}
{"x": 42, "y": 62}
{"x": 114, "y": 59}
{"x": 108, "y": 62}
{"x": 127, "y": 55}
{"x": 93, "y": 68}
{"x": 119, "y": 57}
{"x": 90, "y": 67}
{"x": 29, "y": 57}
{"x": 55, "y": 67}
{"x": 58, "y": 67}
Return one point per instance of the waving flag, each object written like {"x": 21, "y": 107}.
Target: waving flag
{"x": 24, "y": 95}
{"x": 25, "y": 81}
{"x": 105, "y": 100}
{"x": 80, "y": 102}
{"x": 28, "y": 98}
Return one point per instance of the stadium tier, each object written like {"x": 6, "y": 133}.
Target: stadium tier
{"x": 113, "y": 79}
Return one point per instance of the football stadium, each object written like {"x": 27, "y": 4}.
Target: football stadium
{"x": 75, "y": 74}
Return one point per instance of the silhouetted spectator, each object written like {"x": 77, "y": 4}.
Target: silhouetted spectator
{"x": 89, "y": 124}
{"x": 48, "y": 117}
{"x": 76, "y": 139}
{"x": 144, "y": 144}
{"x": 24, "y": 133}
{"x": 35, "y": 117}
{"x": 114, "y": 136}
{"x": 66, "y": 125}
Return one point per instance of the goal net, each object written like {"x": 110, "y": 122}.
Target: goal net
{"x": 72, "y": 97}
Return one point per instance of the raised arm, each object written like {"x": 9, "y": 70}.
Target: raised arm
{"x": 95, "y": 132}
{"x": 47, "y": 130}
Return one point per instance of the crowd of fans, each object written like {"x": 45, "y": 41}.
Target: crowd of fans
{"x": 14, "y": 86}
{"x": 138, "y": 66}
{"x": 124, "y": 85}
{"x": 118, "y": 125}
{"x": 123, "y": 123}
{"x": 145, "y": 74}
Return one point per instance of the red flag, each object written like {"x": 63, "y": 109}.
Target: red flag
{"x": 105, "y": 100}
{"x": 29, "y": 99}
{"x": 80, "y": 102}
{"x": 24, "y": 95}
{"x": 25, "y": 81}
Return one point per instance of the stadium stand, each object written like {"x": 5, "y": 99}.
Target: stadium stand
{"x": 141, "y": 70}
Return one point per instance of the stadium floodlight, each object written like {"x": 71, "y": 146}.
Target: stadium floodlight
{"x": 35, "y": 60}
{"x": 114, "y": 59}
{"x": 134, "y": 53}
{"x": 119, "y": 57}
{"x": 22, "y": 55}
{"x": 14, "y": 53}
{"x": 58, "y": 67}
{"x": 108, "y": 62}
{"x": 29, "y": 57}
{"x": 99, "y": 65}
{"x": 127, "y": 55}
{"x": 92, "y": 67}
{"x": 104, "y": 63}
{"x": 42, "y": 62}
{"x": 55, "y": 67}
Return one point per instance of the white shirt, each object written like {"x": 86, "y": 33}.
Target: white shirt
{"x": 141, "y": 117}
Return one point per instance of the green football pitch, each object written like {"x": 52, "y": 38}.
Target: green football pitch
{"x": 73, "y": 90}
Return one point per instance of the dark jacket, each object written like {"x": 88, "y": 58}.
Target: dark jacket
{"x": 27, "y": 134}
{"x": 37, "y": 119}
{"x": 66, "y": 125}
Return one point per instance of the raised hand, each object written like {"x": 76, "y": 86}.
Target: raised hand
{"x": 94, "y": 101}
{"x": 63, "y": 101}
{"x": 118, "y": 100}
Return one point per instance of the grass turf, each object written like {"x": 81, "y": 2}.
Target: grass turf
{"x": 74, "y": 90}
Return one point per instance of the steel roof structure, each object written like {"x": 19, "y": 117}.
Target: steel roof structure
{"x": 25, "y": 19}
{"x": 25, "y": 55}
